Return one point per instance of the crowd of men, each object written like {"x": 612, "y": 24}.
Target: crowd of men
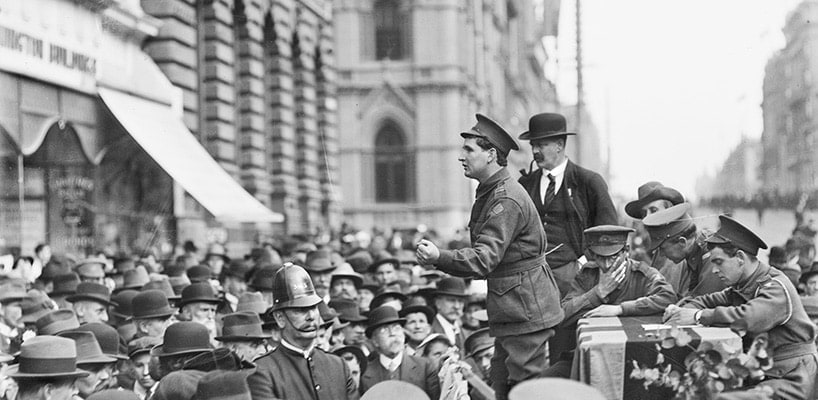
{"x": 347, "y": 319}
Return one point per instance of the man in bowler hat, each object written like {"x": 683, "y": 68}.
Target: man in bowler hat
{"x": 569, "y": 198}
{"x": 508, "y": 249}
{"x": 759, "y": 300}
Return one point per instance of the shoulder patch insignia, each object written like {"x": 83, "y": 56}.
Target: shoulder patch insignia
{"x": 497, "y": 209}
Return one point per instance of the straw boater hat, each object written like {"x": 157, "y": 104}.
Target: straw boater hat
{"x": 47, "y": 357}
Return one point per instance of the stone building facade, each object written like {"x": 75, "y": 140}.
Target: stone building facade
{"x": 411, "y": 76}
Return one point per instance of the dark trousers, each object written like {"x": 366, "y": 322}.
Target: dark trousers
{"x": 518, "y": 358}
{"x": 563, "y": 340}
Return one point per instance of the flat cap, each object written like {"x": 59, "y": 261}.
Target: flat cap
{"x": 667, "y": 223}
{"x": 606, "y": 240}
{"x": 734, "y": 233}
{"x": 493, "y": 132}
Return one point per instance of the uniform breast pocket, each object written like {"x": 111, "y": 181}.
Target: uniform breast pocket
{"x": 505, "y": 300}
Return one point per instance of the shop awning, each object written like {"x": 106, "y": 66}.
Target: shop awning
{"x": 165, "y": 137}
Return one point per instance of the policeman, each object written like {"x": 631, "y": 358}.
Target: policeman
{"x": 296, "y": 369}
{"x": 759, "y": 299}
{"x": 508, "y": 249}
{"x": 611, "y": 284}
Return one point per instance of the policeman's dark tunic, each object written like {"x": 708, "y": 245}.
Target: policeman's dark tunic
{"x": 286, "y": 374}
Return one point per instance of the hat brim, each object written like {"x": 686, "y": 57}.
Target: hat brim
{"x": 528, "y": 135}
{"x": 356, "y": 280}
{"x": 369, "y": 329}
{"x": 159, "y": 351}
{"x": 188, "y": 301}
{"x": 14, "y": 372}
{"x": 234, "y": 338}
{"x": 448, "y": 293}
{"x": 606, "y": 250}
{"x": 308, "y": 301}
{"x": 634, "y": 208}
{"x": 80, "y": 297}
{"x": 480, "y": 348}
{"x": 98, "y": 359}
{"x": 166, "y": 313}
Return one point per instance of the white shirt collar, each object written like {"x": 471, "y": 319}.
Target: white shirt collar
{"x": 558, "y": 173}
{"x": 386, "y": 361}
{"x": 306, "y": 353}
{"x": 449, "y": 329}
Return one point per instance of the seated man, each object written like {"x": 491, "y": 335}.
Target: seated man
{"x": 759, "y": 299}
{"x": 611, "y": 284}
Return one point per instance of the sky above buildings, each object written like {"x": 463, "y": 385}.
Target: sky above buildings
{"x": 674, "y": 85}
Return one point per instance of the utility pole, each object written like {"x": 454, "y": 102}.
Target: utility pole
{"x": 579, "y": 81}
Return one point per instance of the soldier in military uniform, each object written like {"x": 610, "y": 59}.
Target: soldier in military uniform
{"x": 759, "y": 299}
{"x": 296, "y": 369}
{"x": 610, "y": 285}
{"x": 508, "y": 249}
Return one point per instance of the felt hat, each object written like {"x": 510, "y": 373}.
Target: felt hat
{"x": 495, "y": 134}
{"x": 199, "y": 273}
{"x": 318, "y": 261}
{"x": 54, "y": 269}
{"x": 451, "y": 286}
{"x": 123, "y": 300}
{"x": 183, "y": 338}
{"x": 606, "y": 240}
{"x": 238, "y": 268}
{"x": 65, "y": 284}
{"x": 330, "y": 317}
{"x": 435, "y": 337}
{"x": 92, "y": 267}
{"x": 253, "y": 302}
{"x": 164, "y": 286}
{"x": 554, "y": 389}
{"x": 347, "y": 310}
{"x": 734, "y": 233}
{"x": 380, "y": 316}
{"x": 47, "y": 356}
{"x": 151, "y": 304}
{"x": 88, "y": 350}
{"x": 35, "y": 306}
{"x": 345, "y": 271}
{"x": 374, "y": 266}
{"x": 241, "y": 326}
{"x": 292, "y": 288}
{"x": 667, "y": 224}
{"x": 478, "y": 341}
{"x": 223, "y": 385}
{"x": 356, "y": 352}
{"x": 426, "y": 310}
{"x": 650, "y": 192}
{"x": 11, "y": 292}
{"x": 107, "y": 337}
{"x": 134, "y": 279}
{"x": 113, "y": 394}
{"x": 386, "y": 293}
{"x": 360, "y": 261}
{"x": 142, "y": 345}
{"x": 545, "y": 125}
{"x": 262, "y": 279}
{"x": 56, "y": 321}
{"x": 177, "y": 285}
{"x": 90, "y": 291}
{"x": 777, "y": 256}
{"x": 395, "y": 390}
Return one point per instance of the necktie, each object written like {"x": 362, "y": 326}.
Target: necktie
{"x": 550, "y": 191}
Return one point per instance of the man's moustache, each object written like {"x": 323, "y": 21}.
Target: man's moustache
{"x": 538, "y": 157}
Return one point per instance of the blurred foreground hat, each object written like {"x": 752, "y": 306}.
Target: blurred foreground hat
{"x": 56, "y": 321}
{"x": 650, "y": 192}
{"x": 493, "y": 132}
{"x": 734, "y": 233}
{"x": 223, "y": 385}
{"x": 544, "y": 126}
{"x": 554, "y": 389}
{"x": 114, "y": 394}
{"x": 667, "y": 224}
{"x": 241, "y": 326}
{"x": 395, "y": 390}
{"x": 47, "y": 357}
{"x": 606, "y": 240}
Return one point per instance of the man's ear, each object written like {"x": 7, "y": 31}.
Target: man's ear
{"x": 279, "y": 317}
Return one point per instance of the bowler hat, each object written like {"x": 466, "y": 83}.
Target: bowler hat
{"x": 478, "y": 341}
{"x": 199, "y": 273}
{"x": 47, "y": 356}
{"x": 545, "y": 125}
{"x": 90, "y": 291}
{"x": 223, "y": 385}
{"x": 493, "y": 132}
{"x": 356, "y": 352}
{"x": 142, "y": 345}
{"x": 56, "y": 321}
{"x": 88, "y": 349}
{"x": 65, "y": 284}
{"x": 606, "y": 240}
{"x": 426, "y": 310}
{"x": 395, "y": 390}
{"x": 318, "y": 261}
{"x": 557, "y": 389}
{"x": 12, "y": 291}
{"x": 380, "y": 316}
{"x": 345, "y": 271}
{"x": 114, "y": 394}
{"x": 734, "y": 233}
{"x": 385, "y": 294}
{"x": 123, "y": 300}
{"x": 650, "y": 192}
{"x": 200, "y": 292}
{"x": 151, "y": 304}
{"x": 347, "y": 310}
{"x": 451, "y": 286}
{"x": 134, "y": 279}
{"x": 667, "y": 224}
{"x": 252, "y": 301}
{"x": 183, "y": 338}
{"x": 241, "y": 326}
{"x": 106, "y": 336}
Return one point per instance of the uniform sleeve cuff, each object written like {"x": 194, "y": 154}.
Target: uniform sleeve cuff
{"x": 706, "y": 317}
{"x": 445, "y": 257}
{"x": 628, "y": 307}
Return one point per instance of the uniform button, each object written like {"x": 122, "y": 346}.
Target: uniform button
{"x": 317, "y": 387}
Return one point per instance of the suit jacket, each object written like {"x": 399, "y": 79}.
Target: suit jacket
{"x": 460, "y": 338}
{"x": 589, "y": 205}
{"x": 285, "y": 374}
{"x": 413, "y": 369}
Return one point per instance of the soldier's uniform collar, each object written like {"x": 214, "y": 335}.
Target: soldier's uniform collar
{"x": 489, "y": 184}
{"x": 749, "y": 288}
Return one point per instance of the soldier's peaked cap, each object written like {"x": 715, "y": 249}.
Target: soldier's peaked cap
{"x": 667, "y": 223}
{"x": 493, "y": 132}
{"x": 606, "y": 240}
{"x": 733, "y": 232}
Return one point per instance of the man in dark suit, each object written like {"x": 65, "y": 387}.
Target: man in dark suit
{"x": 569, "y": 198}
{"x": 449, "y": 299}
{"x": 385, "y": 330}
